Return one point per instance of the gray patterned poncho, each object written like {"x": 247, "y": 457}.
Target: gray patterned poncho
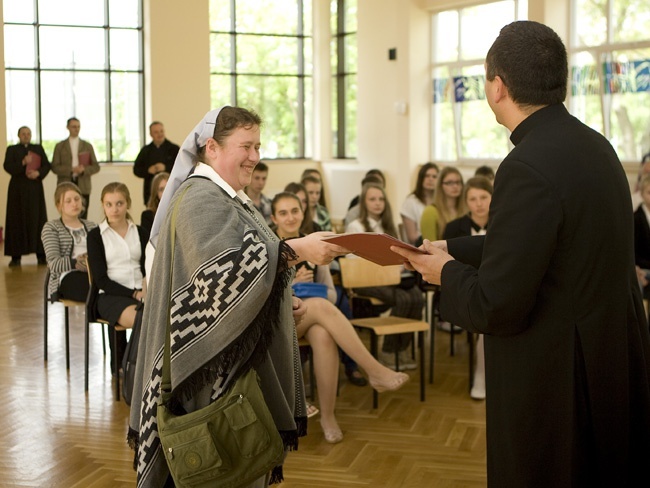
{"x": 230, "y": 299}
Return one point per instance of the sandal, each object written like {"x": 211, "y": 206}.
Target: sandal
{"x": 312, "y": 410}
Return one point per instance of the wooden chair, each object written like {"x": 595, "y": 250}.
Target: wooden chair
{"x": 358, "y": 273}
{"x": 92, "y": 318}
{"x": 47, "y": 299}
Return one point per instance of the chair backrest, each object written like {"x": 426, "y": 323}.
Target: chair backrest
{"x": 402, "y": 232}
{"x": 360, "y": 273}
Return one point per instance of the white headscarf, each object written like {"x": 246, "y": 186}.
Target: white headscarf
{"x": 183, "y": 166}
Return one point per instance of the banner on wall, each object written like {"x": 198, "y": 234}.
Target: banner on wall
{"x": 465, "y": 89}
{"x": 618, "y": 77}
{"x": 628, "y": 77}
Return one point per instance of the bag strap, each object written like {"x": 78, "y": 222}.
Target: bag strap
{"x": 166, "y": 382}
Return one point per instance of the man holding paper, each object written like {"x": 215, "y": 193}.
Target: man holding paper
{"x": 74, "y": 160}
{"x": 26, "y": 212}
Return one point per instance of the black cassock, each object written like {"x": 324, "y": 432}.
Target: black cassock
{"x": 26, "y": 210}
{"x": 553, "y": 288}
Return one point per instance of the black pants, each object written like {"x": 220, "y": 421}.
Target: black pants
{"x": 74, "y": 286}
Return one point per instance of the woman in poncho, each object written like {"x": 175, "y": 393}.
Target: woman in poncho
{"x": 230, "y": 292}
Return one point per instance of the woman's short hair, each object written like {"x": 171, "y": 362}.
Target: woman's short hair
{"x": 231, "y": 118}
{"x": 477, "y": 183}
{"x": 62, "y": 189}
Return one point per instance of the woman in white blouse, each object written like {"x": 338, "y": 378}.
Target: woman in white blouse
{"x": 116, "y": 260}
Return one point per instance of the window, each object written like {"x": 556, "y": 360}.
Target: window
{"x": 610, "y": 71}
{"x": 462, "y": 123}
{"x": 76, "y": 58}
{"x": 261, "y": 59}
{"x": 344, "y": 85}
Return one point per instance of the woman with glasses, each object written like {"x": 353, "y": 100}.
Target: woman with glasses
{"x": 447, "y": 204}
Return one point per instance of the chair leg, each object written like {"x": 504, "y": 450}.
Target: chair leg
{"x": 432, "y": 345}
{"x": 472, "y": 350}
{"x": 45, "y": 318}
{"x": 421, "y": 341}
{"x": 117, "y": 366}
{"x": 373, "y": 351}
{"x": 312, "y": 378}
{"x": 67, "y": 338}
{"x": 452, "y": 342}
{"x": 86, "y": 350}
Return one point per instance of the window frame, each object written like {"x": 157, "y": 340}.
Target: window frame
{"x": 602, "y": 54}
{"x": 457, "y": 68}
{"x": 107, "y": 71}
{"x": 301, "y": 75}
{"x": 340, "y": 79}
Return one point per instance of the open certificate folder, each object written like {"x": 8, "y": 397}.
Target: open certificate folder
{"x": 35, "y": 162}
{"x": 373, "y": 246}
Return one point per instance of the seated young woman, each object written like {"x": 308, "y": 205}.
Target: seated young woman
{"x": 477, "y": 195}
{"x": 308, "y": 226}
{"x": 64, "y": 241}
{"x": 158, "y": 185}
{"x": 406, "y": 301}
{"x": 116, "y": 261}
{"x": 325, "y": 327}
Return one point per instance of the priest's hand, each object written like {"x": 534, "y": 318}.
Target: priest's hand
{"x": 428, "y": 265}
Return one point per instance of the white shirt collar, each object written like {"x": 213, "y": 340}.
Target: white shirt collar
{"x": 207, "y": 171}
{"x": 104, "y": 226}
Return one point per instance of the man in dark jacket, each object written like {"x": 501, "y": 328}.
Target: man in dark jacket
{"x": 155, "y": 157}
{"x": 27, "y": 164}
{"x": 553, "y": 287}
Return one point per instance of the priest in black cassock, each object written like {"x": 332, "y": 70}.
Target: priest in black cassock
{"x": 553, "y": 287}
{"x": 26, "y": 212}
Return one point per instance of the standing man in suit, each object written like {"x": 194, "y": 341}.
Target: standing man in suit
{"x": 74, "y": 160}
{"x": 27, "y": 164}
{"x": 552, "y": 286}
{"x": 155, "y": 157}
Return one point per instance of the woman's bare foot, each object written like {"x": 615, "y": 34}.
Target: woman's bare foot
{"x": 331, "y": 431}
{"x": 388, "y": 381}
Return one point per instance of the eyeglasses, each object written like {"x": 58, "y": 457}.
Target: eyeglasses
{"x": 452, "y": 183}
